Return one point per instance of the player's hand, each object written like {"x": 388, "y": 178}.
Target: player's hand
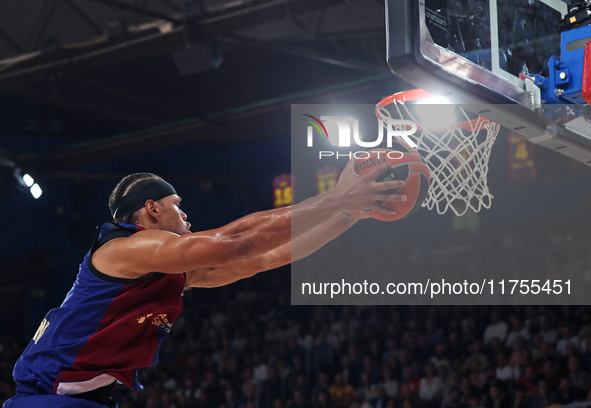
{"x": 359, "y": 194}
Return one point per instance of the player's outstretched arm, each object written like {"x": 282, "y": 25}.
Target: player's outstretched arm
{"x": 302, "y": 246}
{"x": 250, "y": 236}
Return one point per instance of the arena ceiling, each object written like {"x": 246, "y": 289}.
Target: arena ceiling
{"x": 161, "y": 73}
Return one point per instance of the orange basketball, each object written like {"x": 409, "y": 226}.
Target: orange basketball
{"x": 408, "y": 166}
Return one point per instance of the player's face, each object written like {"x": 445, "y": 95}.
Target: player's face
{"x": 174, "y": 219}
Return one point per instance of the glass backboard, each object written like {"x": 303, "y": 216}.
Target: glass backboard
{"x": 488, "y": 53}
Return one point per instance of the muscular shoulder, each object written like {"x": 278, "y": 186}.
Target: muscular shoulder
{"x": 125, "y": 257}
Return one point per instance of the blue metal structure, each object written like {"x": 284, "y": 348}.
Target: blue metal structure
{"x": 565, "y": 79}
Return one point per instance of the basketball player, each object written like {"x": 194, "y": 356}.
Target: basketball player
{"x": 128, "y": 290}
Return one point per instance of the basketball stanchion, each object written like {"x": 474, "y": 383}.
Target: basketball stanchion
{"x": 455, "y": 144}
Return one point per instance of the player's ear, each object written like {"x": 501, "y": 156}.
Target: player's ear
{"x": 152, "y": 209}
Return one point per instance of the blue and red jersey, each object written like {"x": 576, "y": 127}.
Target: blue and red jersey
{"x": 105, "y": 329}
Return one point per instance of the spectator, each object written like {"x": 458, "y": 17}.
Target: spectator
{"x": 477, "y": 376}
{"x": 504, "y": 372}
{"x": 586, "y": 356}
{"x": 517, "y": 330}
{"x": 528, "y": 381}
{"x": 249, "y": 393}
{"x": 294, "y": 349}
{"x": 349, "y": 372}
{"x": 454, "y": 399}
{"x": 406, "y": 398}
{"x": 440, "y": 359}
{"x": 260, "y": 369}
{"x": 497, "y": 329}
{"x": 381, "y": 400}
{"x": 541, "y": 397}
{"x": 391, "y": 351}
{"x": 430, "y": 388}
{"x": 576, "y": 375}
{"x": 231, "y": 400}
{"x": 549, "y": 374}
{"x": 433, "y": 334}
{"x": 567, "y": 337}
{"x": 585, "y": 327}
{"x": 273, "y": 385}
{"x": 532, "y": 319}
{"x": 321, "y": 400}
{"x": 455, "y": 349}
{"x": 466, "y": 390}
{"x": 341, "y": 392}
{"x": 491, "y": 377}
{"x": 371, "y": 370}
{"x": 355, "y": 362}
{"x": 520, "y": 356}
{"x": 565, "y": 394}
{"x": 547, "y": 353}
{"x": 549, "y": 332}
{"x": 375, "y": 352}
{"x": 410, "y": 381}
{"x": 360, "y": 404}
{"x": 301, "y": 387}
{"x": 291, "y": 330}
{"x": 535, "y": 346}
{"x": 474, "y": 401}
{"x": 496, "y": 398}
{"x": 476, "y": 352}
{"x": 452, "y": 381}
{"x": 493, "y": 349}
{"x": 469, "y": 329}
{"x": 423, "y": 352}
{"x": 367, "y": 390}
{"x": 521, "y": 400}
{"x": 322, "y": 386}
{"x": 322, "y": 354}
{"x": 274, "y": 332}
{"x": 298, "y": 400}
{"x": 389, "y": 383}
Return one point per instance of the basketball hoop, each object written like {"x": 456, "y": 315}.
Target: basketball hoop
{"x": 456, "y": 145}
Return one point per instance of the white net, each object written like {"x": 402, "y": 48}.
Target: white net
{"x": 456, "y": 146}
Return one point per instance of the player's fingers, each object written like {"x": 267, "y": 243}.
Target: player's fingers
{"x": 377, "y": 170}
{"x": 380, "y": 208}
{"x": 391, "y": 197}
{"x": 364, "y": 214}
{"x": 389, "y": 185}
{"x": 350, "y": 165}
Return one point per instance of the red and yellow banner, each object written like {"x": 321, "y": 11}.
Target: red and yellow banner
{"x": 522, "y": 165}
{"x": 327, "y": 178}
{"x": 283, "y": 190}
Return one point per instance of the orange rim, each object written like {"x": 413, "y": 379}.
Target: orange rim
{"x": 419, "y": 94}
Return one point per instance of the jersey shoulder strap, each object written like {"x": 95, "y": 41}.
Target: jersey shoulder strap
{"x": 105, "y": 233}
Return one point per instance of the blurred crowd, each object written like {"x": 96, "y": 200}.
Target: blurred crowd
{"x": 264, "y": 353}
{"x": 259, "y": 351}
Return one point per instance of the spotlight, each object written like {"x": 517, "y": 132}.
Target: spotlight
{"x": 26, "y": 180}
{"x": 435, "y": 113}
{"x": 36, "y": 191}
